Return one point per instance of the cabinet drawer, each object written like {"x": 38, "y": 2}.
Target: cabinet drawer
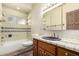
{"x": 64, "y": 52}
{"x": 47, "y": 47}
{"x": 40, "y": 52}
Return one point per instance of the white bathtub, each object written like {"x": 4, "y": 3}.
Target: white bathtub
{"x": 11, "y": 46}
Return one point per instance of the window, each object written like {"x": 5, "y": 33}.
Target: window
{"x": 15, "y": 19}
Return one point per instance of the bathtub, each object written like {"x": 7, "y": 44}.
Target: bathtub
{"x": 14, "y": 45}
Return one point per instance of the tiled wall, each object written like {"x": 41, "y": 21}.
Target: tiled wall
{"x": 72, "y": 34}
{"x": 15, "y": 35}
{"x": 69, "y": 34}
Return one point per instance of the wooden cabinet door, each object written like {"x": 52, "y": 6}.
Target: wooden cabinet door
{"x": 40, "y": 52}
{"x": 35, "y": 52}
{"x": 46, "y": 53}
{"x": 43, "y": 52}
{"x": 64, "y": 52}
{"x": 48, "y": 47}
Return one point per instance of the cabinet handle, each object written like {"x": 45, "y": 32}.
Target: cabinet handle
{"x": 45, "y": 53}
{"x": 42, "y": 52}
{"x": 66, "y": 54}
{"x": 34, "y": 46}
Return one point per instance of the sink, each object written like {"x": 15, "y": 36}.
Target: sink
{"x": 51, "y": 38}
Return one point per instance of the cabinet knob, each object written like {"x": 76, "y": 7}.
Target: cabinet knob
{"x": 45, "y": 53}
{"x": 42, "y": 52}
{"x": 66, "y": 54}
{"x": 34, "y": 46}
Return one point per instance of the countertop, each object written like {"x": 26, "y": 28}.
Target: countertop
{"x": 71, "y": 45}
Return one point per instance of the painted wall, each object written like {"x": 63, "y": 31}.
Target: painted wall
{"x": 36, "y": 19}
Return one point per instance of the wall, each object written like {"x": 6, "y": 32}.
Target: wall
{"x": 70, "y": 34}
{"x": 0, "y": 10}
{"x": 0, "y": 19}
{"x": 29, "y": 34}
{"x": 36, "y": 19}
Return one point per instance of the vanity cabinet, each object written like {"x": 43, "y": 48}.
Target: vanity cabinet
{"x": 43, "y": 49}
{"x": 65, "y": 52}
{"x": 42, "y": 52}
{"x": 46, "y": 49}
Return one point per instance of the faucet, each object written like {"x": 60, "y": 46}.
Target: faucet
{"x": 54, "y": 34}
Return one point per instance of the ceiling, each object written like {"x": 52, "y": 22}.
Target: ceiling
{"x": 27, "y": 7}
{"x": 22, "y": 7}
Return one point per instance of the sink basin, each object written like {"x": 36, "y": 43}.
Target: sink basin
{"x": 51, "y": 38}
